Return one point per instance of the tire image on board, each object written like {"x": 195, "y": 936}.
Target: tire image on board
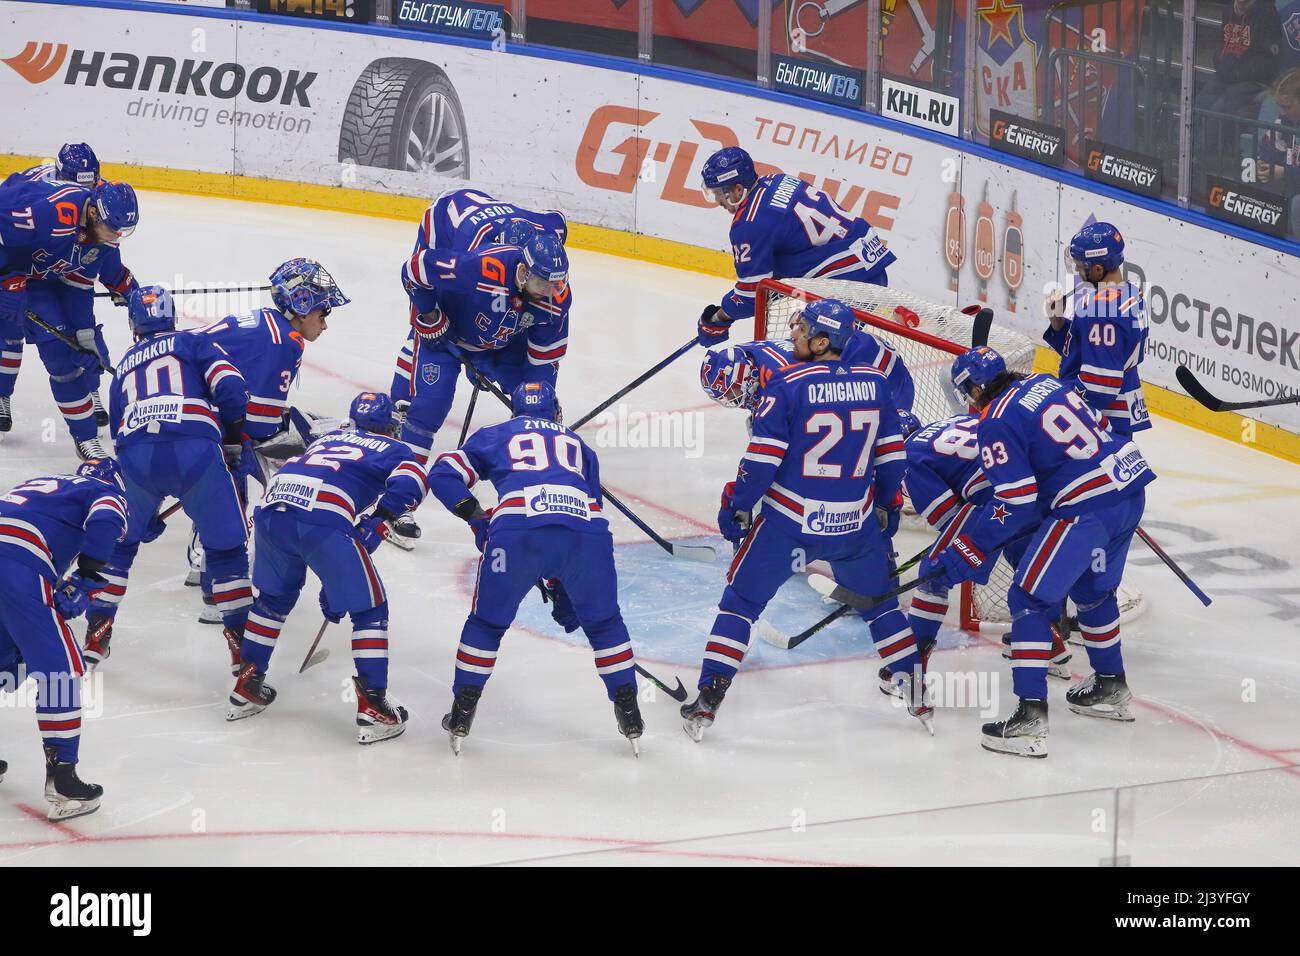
{"x": 405, "y": 114}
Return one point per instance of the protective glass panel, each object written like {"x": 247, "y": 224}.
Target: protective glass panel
{"x": 595, "y": 26}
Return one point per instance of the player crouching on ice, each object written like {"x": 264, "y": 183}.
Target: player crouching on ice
{"x": 44, "y": 524}
{"x": 547, "y": 529}
{"x": 782, "y": 228}
{"x": 309, "y": 519}
{"x": 826, "y": 462}
{"x": 1077, "y": 492}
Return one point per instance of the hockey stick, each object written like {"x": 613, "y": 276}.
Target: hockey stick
{"x": 703, "y": 553}
{"x": 175, "y": 292}
{"x": 1172, "y": 565}
{"x": 1196, "y": 390}
{"x": 469, "y": 414}
{"x": 69, "y": 341}
{"x": 980, "y": 327}
{"x": 777, "y": 639}
{"x": 679, "y": 694}
{"x": 313, "y": 658}
{"x": 649, "y": 373}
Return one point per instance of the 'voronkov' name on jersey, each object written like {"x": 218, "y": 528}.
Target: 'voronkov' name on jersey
{"x": 823, "y": 392}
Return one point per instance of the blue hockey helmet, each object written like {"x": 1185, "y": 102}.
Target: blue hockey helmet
{"x": 979, "y": 366}
{"x": 77, "y": 163}
{"x": 373, "y": 412}
{"x": 728, "y": 376}
{"x": 515, "y": 232}
{"x": 545, "y": 258}
{"x": 103, "y": 469}
{"x": 831, "y": 318}
{"x": 1098, "y": 243}
{"x": 116, "y": 207}
{"x": 300, "y": 286}
{"x": 536, "y": 400}
{"x": 907, "y": 422}
{"x": 151, "y": 310}
{"x": 729, "y": 166}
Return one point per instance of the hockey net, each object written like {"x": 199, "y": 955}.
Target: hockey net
{"x": 927, "y": 336}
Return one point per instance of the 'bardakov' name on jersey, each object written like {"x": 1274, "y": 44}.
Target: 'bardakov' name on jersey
{"x": 543, "y": 474}
{"x": 268, "y": 353}
{"x": 785, "y": 228}
{"x": 343, "y": 473}
{"x": 46, "y": 522}
{"x": 826, "y": 446}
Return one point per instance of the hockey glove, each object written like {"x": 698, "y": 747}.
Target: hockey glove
{"x": 431, "y": 327}
{"x": 72, "y": 596}
{"x": 154, "y": 529}
{"x": 733, "y": 524}
{"x": 561, "y": 607}
{"x": 330, "y": 614}
{"x": 89, "y": 340}
{"x": 888, "y": 518}
{"x": 370, "y": 531}
{"x": 479, "y": 525}
{"x": 240, "y": 459}
{"x": 952, "y": 567}
{"x": 13, "y": 306}
{"x": 713, "y": 326}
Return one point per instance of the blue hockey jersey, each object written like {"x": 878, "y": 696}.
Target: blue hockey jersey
{"x": 1101, "y": 347}
{"x": 543, "y": 474}
{"x": 1044, "y": 450}
{"x": 769, "y": 356}
{"x": 865, "y": 349}
{"x": 268, "y": 353}
{"x": 826, "y": 447}
{"x": 46, "y": 522}
{"x": 175, "y": 385}
{"x": 467, "y": 219}
{"x": 477, "y": 294}
{"x": 345, "y": 472}
{"x": 39, "y": 224}
{"x": 785, "y": 228}
{"x": 101, "y": 261}
{"x": 944, "y": 470}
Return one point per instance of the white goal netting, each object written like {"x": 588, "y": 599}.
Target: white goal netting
{"x": 927, "y": 336}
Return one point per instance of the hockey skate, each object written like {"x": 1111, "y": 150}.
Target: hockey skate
{"x": 1101, "y": 695}
{"x": 377, "y": 717}
{"x": 99, "y": 631}
{"x": 402, "y": 531}
{"x": 1059, "y": 665}
{"x": 628, "y": 714}
{"x": 911, "y": 690}
{"x": 91, "y": 448}
{"x": 700, "y": 713}
{"x": 6, "y": 413}
{"x": 1023, "y": 734}
{"x": 67, "y": 794}
{"x": 210, "y": 614}
{"x": 458, "y": 722}
{"x": 887, "y": 685}
{"x": 194, "y": 554}
{"x": 234, "y": 639}
{"x": 101, "y": 414}
{"x": 250, "y": 696}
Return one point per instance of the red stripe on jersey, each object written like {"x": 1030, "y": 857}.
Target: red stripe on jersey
{"x": 273, "y": 632}
{"x": 11, "y": 531}
{"x": 784, "y": 500}
{"x": 548, "y": 354}
{"x": 476, "y": 661}
{"x": 725, "y": 650}
{"x": 620, "y": 657}
{"x": 837, "y": 264}
{"x": 332, "y": 499}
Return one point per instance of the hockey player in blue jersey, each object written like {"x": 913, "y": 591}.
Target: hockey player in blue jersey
{"x": 45, "y": 524}
{"x": 825, "y": 461}
{"x": 177, "y": 417}
{"x": 464, "y": 220}
{"x": 734, "y": 375}
{"x": 317, "y": 514}
{"x": 945, "y": 483}
{"x": 547, "y": 527}
{"x": 1076, "y": 491}
{"x": 506, "y": 307}
{"x": 781, "y": 227}
{"x": 67, "y": 303}
{"x": 1104, "y": 340}
{"x": 267, "y": 347}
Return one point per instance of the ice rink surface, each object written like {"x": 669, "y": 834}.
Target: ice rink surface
{"x": 808, "y": 762}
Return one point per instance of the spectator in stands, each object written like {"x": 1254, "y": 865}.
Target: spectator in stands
{"x": 1248, "y": 60}
{"x": 1278, "y": 164}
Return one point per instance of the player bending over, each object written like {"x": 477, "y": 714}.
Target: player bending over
{"x": 68, "y": 304}
{"x": 50, "y": 229}
{"x": 945, "y": 483}
{"x": 176, "y": 413}
{"x": 1076, "y": 493}
{"x": 504, "y": 307}
{"x": 44, "y": 524}
{"x": 1103, "y": 343}
{"x": 267, "y": 346}
{"x": 463, "y": 220}
{"x": 826, "y": 462}
{"x": 547, "y": 527}
{"x": 782, "y": 228}
{"x": 316, "y": 515}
